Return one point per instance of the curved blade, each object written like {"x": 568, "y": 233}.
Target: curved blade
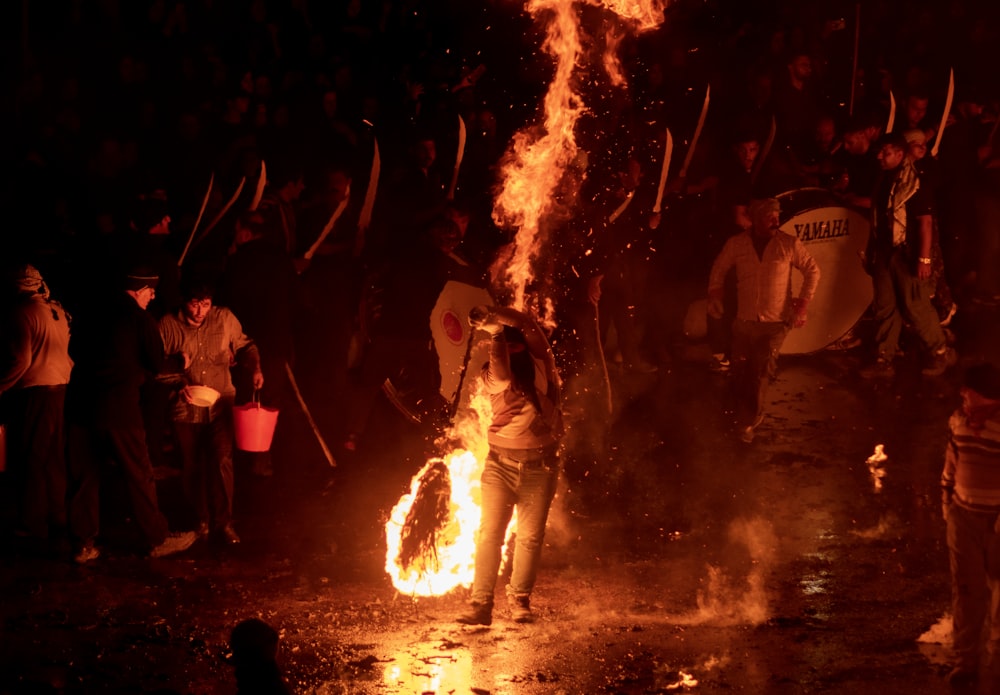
{"x": 328, "y": 227}
{"x": 458, "y": 158}
{"x": 947, "y": 111}
{"x": 261, "y": 184}
{"x": 667, "y": 154}
{"x": 197, "y": 221}
{"x": 697, "y": 132}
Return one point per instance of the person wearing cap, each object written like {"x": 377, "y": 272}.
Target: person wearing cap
{"x": 213, "y": 338}
{"x": 522, "y": 467}
{"x": 35, "y": 367}
{"x": 898, "y": 258}
{"x": 763, "y": 257}
{"x": 970, "y": 484}
{"x": 117, "y": 351}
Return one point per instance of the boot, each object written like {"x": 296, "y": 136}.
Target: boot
{"x": 520, "y": 608}
{"x": 478, "y": 614}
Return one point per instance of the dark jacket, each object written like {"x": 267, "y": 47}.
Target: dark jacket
{"x": 115, "y": 352}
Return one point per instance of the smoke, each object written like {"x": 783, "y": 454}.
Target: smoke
{"x": 738, "y": 596}
{"x": 886, "y": 524}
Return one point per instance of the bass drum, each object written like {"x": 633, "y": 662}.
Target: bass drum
{"x": 835, "y": 235}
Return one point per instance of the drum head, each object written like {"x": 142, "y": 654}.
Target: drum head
{"x": 835, "y": 236}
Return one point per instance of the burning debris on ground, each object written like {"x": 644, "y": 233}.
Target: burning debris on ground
{"x": 384, "y": 193}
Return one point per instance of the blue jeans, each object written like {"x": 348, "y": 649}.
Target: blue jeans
{"x": 527, "y": 479}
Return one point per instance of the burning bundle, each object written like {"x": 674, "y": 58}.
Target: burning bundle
{"x": 426, "y": 519}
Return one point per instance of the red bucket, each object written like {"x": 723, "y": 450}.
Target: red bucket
{"x": 254, "y": 426}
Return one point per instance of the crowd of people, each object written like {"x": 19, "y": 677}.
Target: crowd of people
{"x": 224, "y": 194}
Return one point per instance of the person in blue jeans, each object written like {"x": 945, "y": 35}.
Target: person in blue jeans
{"x": 522, "y": 467}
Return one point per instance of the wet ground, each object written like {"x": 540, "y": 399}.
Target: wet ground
{"x": 678, "y": 560}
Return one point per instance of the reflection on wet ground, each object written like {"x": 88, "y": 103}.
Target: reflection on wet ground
{"x": 677, "y": 559}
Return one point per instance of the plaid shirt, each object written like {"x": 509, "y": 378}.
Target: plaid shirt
{"x": 211, "y": 346}
{"x": 764, "y": 285}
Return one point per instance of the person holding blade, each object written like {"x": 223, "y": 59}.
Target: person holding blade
{"x": 763, "y": 257}
{"x": 898, "y": 258}
{"x": 522, "y": 467}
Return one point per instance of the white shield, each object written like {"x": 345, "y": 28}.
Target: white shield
{"x": 451, "y": 332}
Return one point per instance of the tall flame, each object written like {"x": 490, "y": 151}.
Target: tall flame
{"x": 536, "y": 162}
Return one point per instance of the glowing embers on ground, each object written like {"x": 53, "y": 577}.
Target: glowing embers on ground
{"x": 446, "y": 494}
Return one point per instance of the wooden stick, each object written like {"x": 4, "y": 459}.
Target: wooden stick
{"x": 309, "y": 417}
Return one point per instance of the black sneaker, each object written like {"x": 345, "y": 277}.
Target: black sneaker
{"x": 963, "y": 675}
{"x": 88, "y": 552}
{"x": 478, "y": 614}
{"x": 174, "y": 543}
{"x": 882, "y": 368}
{"x": 719, "y": 363}
{"x": 940, "y": 362}
{"x": 949, "y": 314}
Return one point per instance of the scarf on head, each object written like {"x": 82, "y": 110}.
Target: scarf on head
{"x": 904, "y": 185}
{"x": 29, "y": 281}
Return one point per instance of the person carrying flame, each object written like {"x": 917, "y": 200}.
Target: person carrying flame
{"x": 522, "y": 467}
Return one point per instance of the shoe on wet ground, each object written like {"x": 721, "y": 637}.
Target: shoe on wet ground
{"x": 881, "y": 368}
{"x": 227, "y": 534}
{"x": 750, "y": 431}
{"x": 87, "y": 553}
{"x": 940, "y": 362}
{"x": 174, "y": 543}
{"x": 520, "y": 608}
{"x": 478, "y": 614}
{"x": 963, "y": 674}
{"x": 949, "y": 314}
{"x": 719, "y": 363}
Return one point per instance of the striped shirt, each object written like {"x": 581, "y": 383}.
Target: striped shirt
{"x": 764, "y": 283}
{"x": 972, "y": 463}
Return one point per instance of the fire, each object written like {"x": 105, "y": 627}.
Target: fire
{"x": 536, "y": 162}
{"x": 531, "y": 176}
{"x": 453, "y": 565}
{"x": 875, "y": 466}
{"x": 453, "y": 562}
{"x": 646, "y": 14}
{"x": 612, "y": 64}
